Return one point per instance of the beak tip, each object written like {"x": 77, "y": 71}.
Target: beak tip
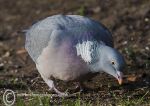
{"x": 120, "y": 82}
{"x": 119, "y": 77}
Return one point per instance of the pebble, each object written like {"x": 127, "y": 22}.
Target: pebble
{"x": 146, "y": 19}
{"x": 7, "y": 54}
{"x": 147, "y": 48}
{"x": 125, "y": 42}
{"x": 96, "y": 9}
{"x": 1, "y": 66}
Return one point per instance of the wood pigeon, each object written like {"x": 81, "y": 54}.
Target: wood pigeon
{"x": 72, "y": 48}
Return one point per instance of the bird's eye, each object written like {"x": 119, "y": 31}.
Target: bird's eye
{"x": 113, "y": 62}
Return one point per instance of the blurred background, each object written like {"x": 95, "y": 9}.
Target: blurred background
{"x": 127, "y": 20}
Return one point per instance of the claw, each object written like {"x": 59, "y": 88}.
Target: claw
{"x": 80, "y": 86}
{"x": 63, "y": 94}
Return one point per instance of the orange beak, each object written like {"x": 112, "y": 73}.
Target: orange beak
{"x": 119, "y": 74}
{"x": 120, "y": 81}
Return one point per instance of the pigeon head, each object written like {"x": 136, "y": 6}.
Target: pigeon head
{"x": 101, "y": 57}
{"x": 111, "y": 62}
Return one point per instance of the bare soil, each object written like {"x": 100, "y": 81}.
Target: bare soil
{"x": 128, "y": 20}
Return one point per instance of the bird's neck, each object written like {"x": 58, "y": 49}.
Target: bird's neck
{"x": 98, "y": 65}
{"x": 87, "y": 50}
{"x": 90, "y": 52}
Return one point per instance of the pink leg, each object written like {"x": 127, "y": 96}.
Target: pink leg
{"x": 51, "y": 85}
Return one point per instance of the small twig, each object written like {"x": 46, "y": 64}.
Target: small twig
{"x": 34, "y": 80}
{"x": 141, "y": 88}
{"x": 142, "y": 97}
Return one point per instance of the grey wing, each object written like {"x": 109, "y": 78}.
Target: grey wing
{"x": 91, "y": 27}
{"x": 102, "y": 34}
{"x": 37, "y": 38}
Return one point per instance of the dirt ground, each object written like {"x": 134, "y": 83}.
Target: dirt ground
{"x": 128, "y": 21}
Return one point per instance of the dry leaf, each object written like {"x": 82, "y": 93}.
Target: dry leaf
{"x": 132, "y": 78}
{"x": 21, "y": 51}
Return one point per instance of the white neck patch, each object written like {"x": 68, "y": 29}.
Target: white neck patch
{"x": 87, "y": 50}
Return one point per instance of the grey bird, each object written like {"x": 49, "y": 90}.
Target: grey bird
{"x": 72, "y": 48}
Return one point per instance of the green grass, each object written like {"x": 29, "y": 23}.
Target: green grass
{"x": 124, "y": 100}
{"x": 47, "y": 101}
{"x": 135, "y": 102}
{"x": 81, "y": 10}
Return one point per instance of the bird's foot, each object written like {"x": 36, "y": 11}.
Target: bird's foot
{"x": 50, "y": 83}
{"x": 61, "y": 94}
{"x": 58, "y": 93}
{"x": 80, "y": 87}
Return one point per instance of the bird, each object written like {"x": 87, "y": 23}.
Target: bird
{"x": 72, "y": 48}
